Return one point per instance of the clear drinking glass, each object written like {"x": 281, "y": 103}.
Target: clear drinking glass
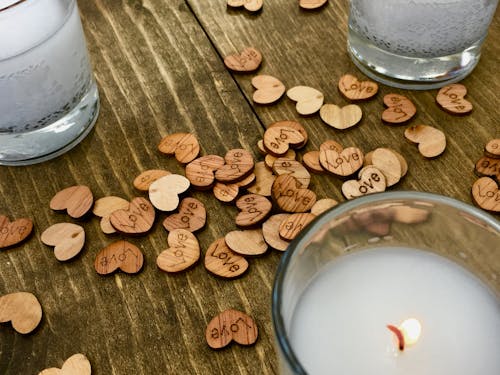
{"x": 383, "y": 228}
{"x": 418, "y": 44}
{"x": 48, "y": 97}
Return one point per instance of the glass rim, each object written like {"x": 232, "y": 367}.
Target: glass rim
{"x": 284, "y": 345}
{"x": 13, "y": 5}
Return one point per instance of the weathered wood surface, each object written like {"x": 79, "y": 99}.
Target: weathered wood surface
{"x": 159, "y": 69}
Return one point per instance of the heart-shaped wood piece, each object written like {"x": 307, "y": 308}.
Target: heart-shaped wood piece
{"x": 293, "y": 168}
{"x": 226, "y": 192}
{"x": 138, "y": 218}
{"x": 239, "y": 164}
{"x": 14, "y": 232}
{"x": 183, "y": 251}
{"x": 311, "y": 161}
{"x": 294, "y": 224}
{"x": 246, "y": 242}
{"x": 431, "y": 141}
{"x": 67, "y": 238}
{"x": 343, "y": 163}
{"x": 488, "y": 167}
{"x": 492, "y": 148}
{"x": 201, "y": 172}
{"x": 254, "y": 209}
{"x": 309, "y": 100}
{"x": 192, "y": 216}
{"x": 294, "y": 125}
{"x": 264, "y": 179}
{"x": 289, "y": 195}
{"x": 271, "y": 232}
{"x": 146, "y": 178}
{"x": 323, "y": 205}
{"x": 222, "y": 261}
{"x": 184, "y": 146}
{"x": 77, "y": 364}
{"x": 400, "y": 109}
{"x": 268, "y": 89}
{"x": 486, "y": 194}
{"x": 387, "y": 162}
{"x": 22, "y": 309}
{"x": 371, "y": 180}
{"x": 247, "y": 61}
{"x": 250, "y": 5}
{"x": 278, "y": 139}
{"x": 452, "y": 99}
{"x": 270, "y": 158}
{"x": 164, "y": 192}
{"x": 104, "y": 207}
{"x": 353, "y": 89}
{"x": 312, "y": 4}
{"x": 119, "y": 255}
{"x": 231, "y": 325}
{"x": 341, "y": 118}
{"x": 76, "y": 200}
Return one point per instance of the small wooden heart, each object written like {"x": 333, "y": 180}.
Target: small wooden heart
{"x": 226, "y": 192}
{"x": 492, "y": 148}
{"x": 268, "y": 89}
{"x": 246, "y": 242}
{"x": 270, "y": 158}
{"x": 311, "y": 161}
{"x": 343, "y": 163}
{"x": 253, "y": 210}
{"x": 294, "y": 224}
{"x": 12, "y": 233}
{"x": 400, "y": 109}
{"x": 76, "y": 200}
{"x": 77, "y": 364}
{"x": 293, "y": 168}
{"x": 182, "y": 253}
{"x": 184, "y": 146}
{"x": 431, "y": 141}
{"x": 67, "y": 238}
{"x": 278, "y": 139}
{"x": 222, "y": 261}
{"x": 271, "y": 232}
{"x": 371, "y": 180}
{"x": 289, "y": 195}
{"x": 164, "y": 192}
{"x": 250, "y": 5}
{"x": 138, "y": 218}
{"x": 309, "y": 100}
{"x": 239, "y": 164}
{"x": 264, "y": 179}
{"x": 323, "y": 205}
{"x": 451, "y": 99}
{"x": 488, "y": 167}
{"x": 486, "y": 194}
{"x": 312, "y": 4}
{"x": 22, "y": 309}
{"x": 228, "y": 326}
{"x": 353, "y": 89}
{"x": 119, "y": 255}
{"x": 294, "y": 125}
{"x": 201, "y": 172}
{"x": 247, "y": 61}
{"x": 146, "y": 178}
{"x": 341, "y": 118}
{"x": 192, "y": 216}
{"x": 104, "y": 207}
{"x": 387, "y": 162}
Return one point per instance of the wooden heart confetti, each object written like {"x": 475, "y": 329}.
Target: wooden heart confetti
{"x": 278, "y": 139}
{"x": 146, "y": 178}
{"x": 182, "y": 253}
{"x": 192, "y": 216}
{"x": 268, "y": 89}
{"x": 104, "y": 207}
{"x": 253, "y": 210}
{"x": 22, "y": 309}
{"x": 293, "y": 168}
{"x": 264, "y": 179}
{"x": 294, "y": 125}
{"x": 184, "y": 146}
{"x": 222, "y": 261}
{"x": 270, "y": 158}
{"x": 387, "y": 162}
{"x": 343, "y": 163}
{"x": 331, "y": 145}
{"x": 138, "y": 218}
{"x": 323, "y": 205}
{"x": 431, "y": 141}
{"x": 246, "y": 242}
{"x": 201, "y": 172}
{"x": 312, "y": 4}
{"x": 250, "y": 5}
{"x": 119, "y": 255}
{"x": 15, "y": 232}
{"x": 77, "y": 200}
{"x": 271, "y": 232}
{"x": 341, "y": 118}
{"x": 492, "y": 148}
{"x": 77, "y": 364}
{"x": 311, "y": 161}
{"x": 309, "y": 100}
{"x": 294, "y": 224}
{"x": 400, "y": 109}
{"x": 67, "y": 238}
{"x": 239, "y": 164}
{"x": 289, "y": 195}
{"x": 486, "y": 194}
{"x": 451, "y": 99}
{"x": 247, "y": 61}
{"x": 353, "y": 89}
{"x": 231, "y": 325}
{"x": 164, "y": 192}
{"x": 371, "y": 180}
{"x": 489, "y": 167}
{"x": 226, "y": 192}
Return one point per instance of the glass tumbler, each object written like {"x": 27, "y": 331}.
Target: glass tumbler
{"x": 418, "y": 44}
{"x": 48, "y": 97}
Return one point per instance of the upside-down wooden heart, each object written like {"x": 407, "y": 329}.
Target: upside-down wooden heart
{"x": 264, "y": 179}
{"x": 184, "y": 146}
{"x": 104, "y": 207}
{"x": 239, "y": 164}
{"x": 192, "y": 216}
{"x": 431, "y": 141}
{"x": 222, "y": 261}
{"x": 68, "y": 239}
{"x": 309, "y": 100}
{"x": 250, "y": 5}
{"x": 164, "y": 192}
{"x": 247, "y": 61}
{"x": 488, "y": 167}
{"x": 371, "y": 180}
{"x": 229, "y": 192}
{"x": 146, "y": 178}
{"x": 76, "y": 200}
{"x": 343, "y": 163}
{"x": 14, "y": 232}
{"x": 138, "y": 218}
{"x": 278, "y": 139}
{"x": 452, "y": 99}
{"x": 312, "y": 4}
{"x": 486, "y": 194}
{"x": 254, "y": 209}
{"x": 77, "y": 364}
{"x": 268, "y": 89}
{"x": 293, "y": 168}
{"x": 400, "y": 109}
{"x": 183, "y": 251}
{"x": 22, "y": 309}
{"x": 492, "y": 148}
{"x": 294, "y": 125}
{"x": 201, "y": 172}
{"x": 353, "y": 89}
{"x": 246, "y": 242}
{"x": 289, "y": 195}
{"x": 119, "y": 255}
{"x": 228, "y": 326}
{"x": 341, "y": 118}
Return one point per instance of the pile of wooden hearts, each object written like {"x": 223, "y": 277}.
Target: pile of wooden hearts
{"x": 486, "y": 191}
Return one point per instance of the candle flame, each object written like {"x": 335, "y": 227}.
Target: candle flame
{"x": 407, "y": 333}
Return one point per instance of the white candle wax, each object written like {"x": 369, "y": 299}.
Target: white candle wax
{"x": 339, "y": 325}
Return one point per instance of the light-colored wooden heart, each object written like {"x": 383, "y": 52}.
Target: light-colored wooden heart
{"x": 239, "y": 164}
{"x": 431, "y": 141}
{"x": 271, "y": 232}
{"x": 294, "y": 125}
{"x": 486, "y": 194}
{"x": 77, "y": 364}
{"x": 400, "y": 109}
{"x": 331, "y": 145}
{"x": 254, "y": 209}
{"x": 184, "y": 146}
{"x": 14, "y": 232}
{"x": 138, "y": 218}
{"x": 182, "y": 253}
{"x": 312, "y": 4}
{"x": 228, "y": 326}
{"x": 289, "y": 195}
{"x": 311, "y": 161}
{"x": 192, "y": 216}
{"x": 119, "y": 255}
{"x": 246, "y": 242}
{"x": 293, "y": 168}
{"x": 264, "y": 179}
{"x": 278, "y": 139}
{"x": 309, "y": 100}
{"x": 341, "y": 118}
{"x": 146, "y": 178}
{"x": 22, "y": 309}
{"x": 452, "y": 99}
{"x": 222, "y": 261}
{"x": 343, "y": 163}
{"x": 247, "y": 61}
{"x": 201, "y": 172}
{"x": 250, "y": 5}
{"x": 270, "y": 158}
{"x": 353, "y": 89}
{"x": 323, "y": 205}
{"x": 488, "y": 167}
{"x": 67, "y": 238}
{"x": 164, "y": 192}
{"x": 76, "y": 200}
{"x": 104, "y": 207}
{"x": 371, "y": 180}
{"x": 226, "y": 192}
{"x": 268, "y": 89}
{"x": 492, "y": 148}
{"x": 294, "y": 224}
{"x": 387, "y": 162}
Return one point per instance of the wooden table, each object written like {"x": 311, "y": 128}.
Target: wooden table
{"x": 159, "y": 66}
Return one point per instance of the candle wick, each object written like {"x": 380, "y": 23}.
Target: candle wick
{"x": 399, "y": 336}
